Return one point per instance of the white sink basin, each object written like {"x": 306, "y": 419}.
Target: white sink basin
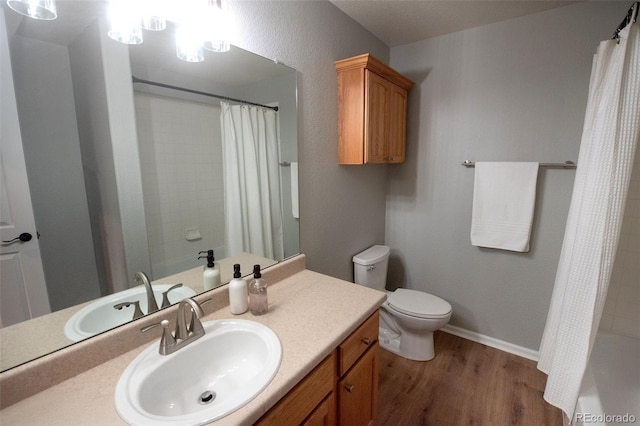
{"x": 233, "y": 362}
{"x": 100, "y": 315}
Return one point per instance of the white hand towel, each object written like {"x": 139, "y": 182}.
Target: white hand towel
{"x": 504, "y": 197}
{"x": 295, "y": 207}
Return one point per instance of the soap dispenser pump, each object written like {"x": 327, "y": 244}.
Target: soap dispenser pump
{"x": 238, "y": 302}
{"x": 211, "y": 275}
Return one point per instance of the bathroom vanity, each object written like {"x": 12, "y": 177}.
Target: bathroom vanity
{"x": 344, "y": 386}
{"x": 327, "y": 328}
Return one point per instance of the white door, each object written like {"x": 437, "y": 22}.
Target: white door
{"x": 23, "y": 292}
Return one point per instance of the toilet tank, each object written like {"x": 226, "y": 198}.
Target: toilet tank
{"x": 370, "y": 267}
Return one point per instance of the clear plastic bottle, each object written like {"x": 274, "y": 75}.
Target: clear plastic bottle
{"x": 258, "y": 303}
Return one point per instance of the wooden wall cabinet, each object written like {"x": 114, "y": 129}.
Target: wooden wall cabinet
{"x": 341, "y": 390}
{"x": 372, "y": 111}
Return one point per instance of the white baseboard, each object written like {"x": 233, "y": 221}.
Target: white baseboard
{"x": 491, "y": 341}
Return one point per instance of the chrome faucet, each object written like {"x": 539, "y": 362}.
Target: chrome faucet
{"x": 184, "y": 333}
{"x": 152, "y": 305}
{"x": 136, "y": 304}
{"x": 194, "y": 329}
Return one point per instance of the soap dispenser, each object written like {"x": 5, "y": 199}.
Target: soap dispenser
{"x": 238, "y": 303}
{"x": 211, "y": 275}
{"x": 258, "y": 304}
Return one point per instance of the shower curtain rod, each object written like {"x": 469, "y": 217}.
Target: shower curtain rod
{"x": 632, "y": 16}
{"x": 565, "y": 165}
{"x": 197, "y": 92}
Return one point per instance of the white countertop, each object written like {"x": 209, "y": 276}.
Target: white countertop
{"x": 311, "y": 313}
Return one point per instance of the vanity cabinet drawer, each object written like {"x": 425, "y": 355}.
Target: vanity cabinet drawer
{"x": 357, "y": 343}
{"x": 306, "y": 398}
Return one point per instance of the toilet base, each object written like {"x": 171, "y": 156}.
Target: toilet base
{"x": 413, "y": 347}
{"x": 389, "y": 341}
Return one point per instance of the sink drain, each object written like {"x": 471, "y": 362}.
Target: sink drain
{"x": 206, "y": 397}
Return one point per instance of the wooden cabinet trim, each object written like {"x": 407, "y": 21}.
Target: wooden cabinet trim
{"x": 368, "y": 61}
{"x": 351, "y": 108}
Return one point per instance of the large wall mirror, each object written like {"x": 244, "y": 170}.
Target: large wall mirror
{"x": 133, "y": 167}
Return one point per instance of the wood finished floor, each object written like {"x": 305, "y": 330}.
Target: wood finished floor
{"x": 465, "y": 384}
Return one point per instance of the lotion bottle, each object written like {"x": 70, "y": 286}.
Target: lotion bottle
{"x": 238, "y": 293}
{"x": 258, "y": 304}
{"x": 211, "y": 275}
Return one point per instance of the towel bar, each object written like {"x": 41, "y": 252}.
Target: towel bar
{"x": 565, "y": 165}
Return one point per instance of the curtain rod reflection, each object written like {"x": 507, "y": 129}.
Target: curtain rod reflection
{"x": 197, "y": 92}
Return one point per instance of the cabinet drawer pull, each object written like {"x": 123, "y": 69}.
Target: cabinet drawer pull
{"x": 366, "y": 341}
{"x": 349, "y": 388}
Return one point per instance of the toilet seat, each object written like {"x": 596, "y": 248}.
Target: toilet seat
{"x": 418, "y": 304}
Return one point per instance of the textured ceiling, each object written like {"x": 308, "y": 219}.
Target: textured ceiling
{"x": 397, "y": 22}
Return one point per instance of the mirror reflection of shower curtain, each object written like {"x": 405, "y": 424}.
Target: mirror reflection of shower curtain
{"x": 609, "y": 140}
{"x": 253, "y": 219}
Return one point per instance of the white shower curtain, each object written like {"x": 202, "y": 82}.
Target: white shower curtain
{"x": 253, "y": 208}
{"x": 609, "y": 140}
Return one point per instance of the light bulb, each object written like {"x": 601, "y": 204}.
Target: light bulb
{"x": 216, "y": 29}
{"x": 189, "y": 44}
{"x": 154, "y": 15}
{"x": 37, "y": 9}
{"x": 125, "y": 22}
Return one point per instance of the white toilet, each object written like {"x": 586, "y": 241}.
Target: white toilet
{"x": 408, "y": 318}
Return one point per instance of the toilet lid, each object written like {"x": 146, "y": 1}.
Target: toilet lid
{"x": 418, "y": 304}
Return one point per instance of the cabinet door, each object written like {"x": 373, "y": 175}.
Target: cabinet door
{"x": 397, "y": 125}
{"x": 324, "y": 414}
{"x": 358, "y": 391}
{"x": 305, "y": 398}
{"x": 385, "y": 121}
{"x": 378, "y": 98}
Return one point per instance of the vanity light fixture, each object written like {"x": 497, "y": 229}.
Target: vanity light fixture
{"x": 200, "y": 24}
{"x": 37, "y": 9}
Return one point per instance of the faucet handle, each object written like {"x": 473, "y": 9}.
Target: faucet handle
{"x": 137, "y": 313}
{"x": 167, "y": 341}
{"x": 165, "y": 295}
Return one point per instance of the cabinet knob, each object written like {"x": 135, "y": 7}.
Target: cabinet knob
{"x": 349, "y": 388}
{"x": 366, "y": 341}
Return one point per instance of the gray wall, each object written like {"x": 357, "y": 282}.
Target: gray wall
{"x": 341, "y": 207}
{"x": 515, "y": 91}
{"x": 52, "y": 152}
{"x": 106, "y": 126}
